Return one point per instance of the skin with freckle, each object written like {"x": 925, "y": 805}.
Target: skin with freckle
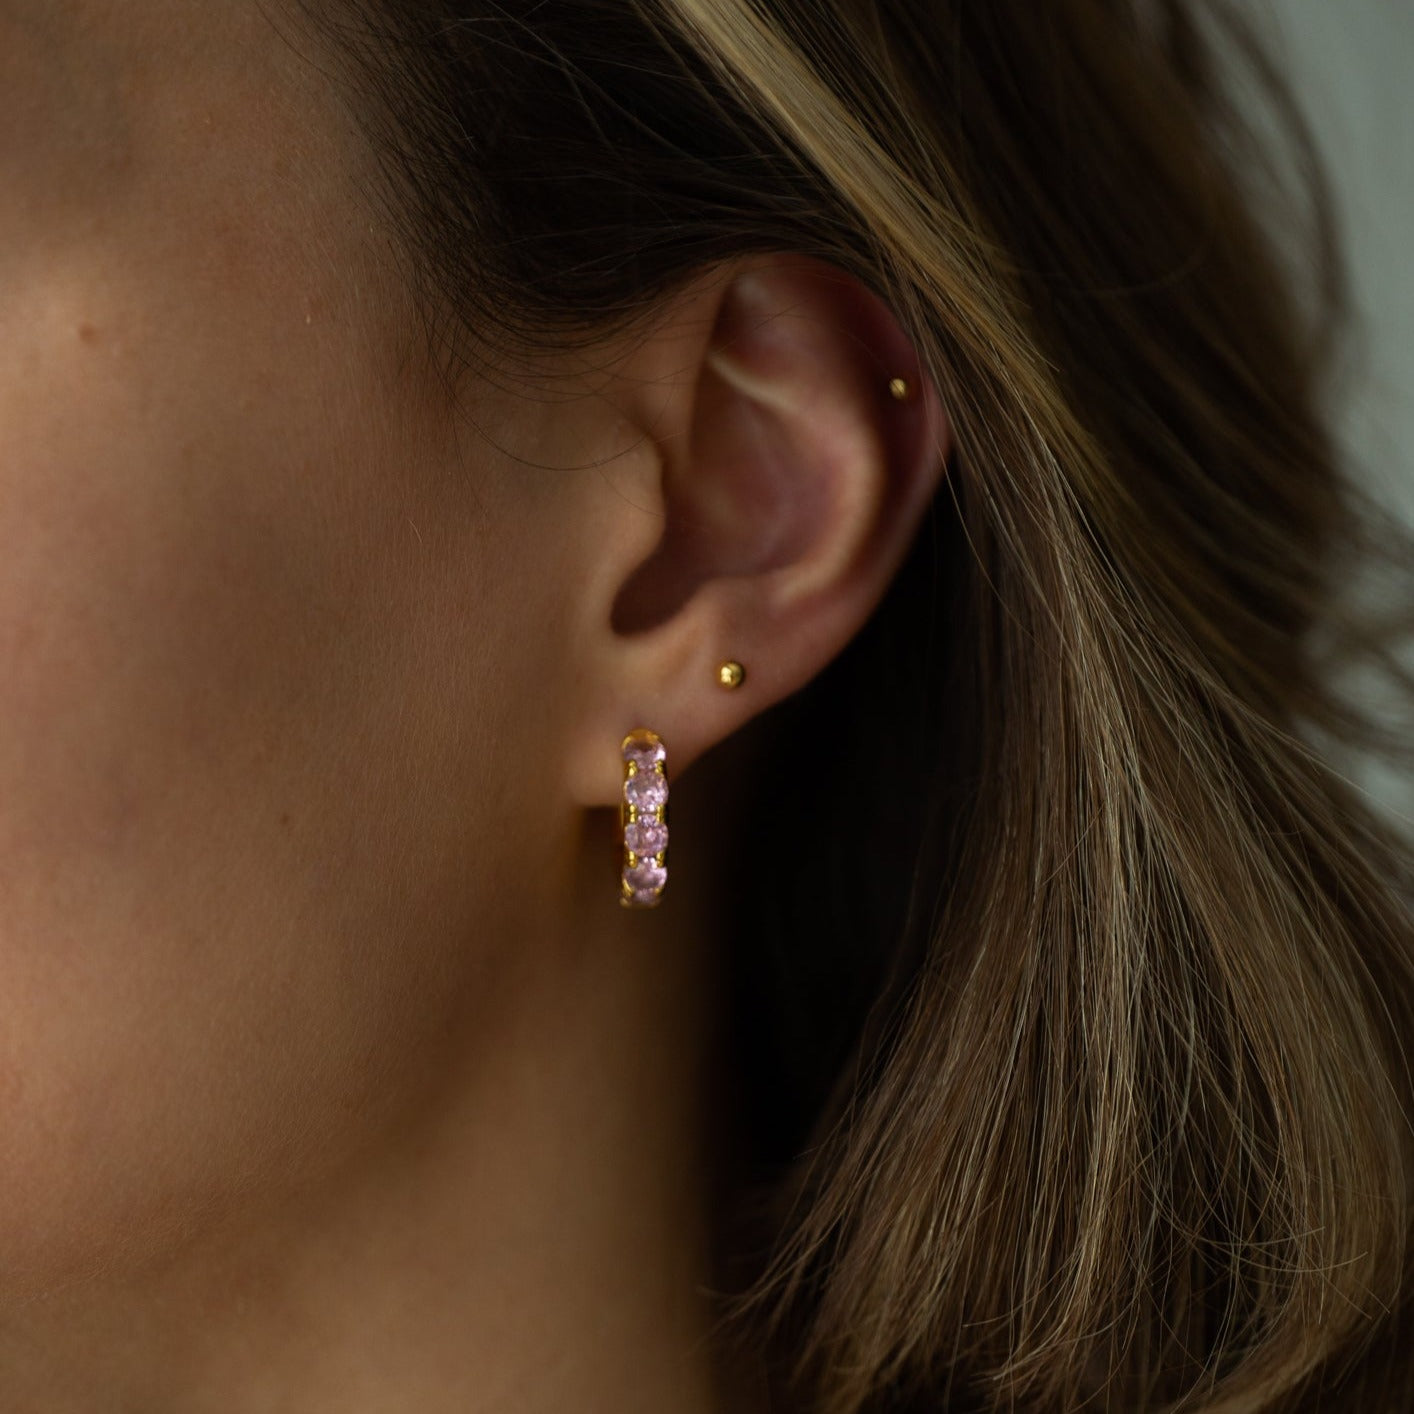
{"x": 402, "y": 401}
{"x": 332, "y": 1075}
{"x": 231, "y": 533}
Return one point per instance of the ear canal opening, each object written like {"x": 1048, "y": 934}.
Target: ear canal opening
{"x": 656, "y": 590}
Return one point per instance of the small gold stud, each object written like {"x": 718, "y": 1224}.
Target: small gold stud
{"x": 900, "y": 390}
{"x": 731, "y": 674}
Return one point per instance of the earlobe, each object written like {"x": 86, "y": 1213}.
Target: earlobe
{"x": 793, "y": 479}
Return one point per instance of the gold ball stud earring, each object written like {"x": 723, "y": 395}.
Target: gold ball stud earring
{"x": 731, "y": 674}
{"x": 900, "y": 389}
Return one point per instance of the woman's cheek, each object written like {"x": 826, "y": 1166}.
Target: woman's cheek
{"x": 179, "y": 1022}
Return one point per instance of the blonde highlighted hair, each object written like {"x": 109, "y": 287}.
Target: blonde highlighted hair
{"x": 1079, "y": 1080}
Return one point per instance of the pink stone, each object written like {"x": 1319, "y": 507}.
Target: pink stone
{"x": 646, "y": 837}
{"x": 643, "y": 754}
{"x": 645, "y": 897}
{"x": 646, "y": 875}
{"x": 646, "y": 790}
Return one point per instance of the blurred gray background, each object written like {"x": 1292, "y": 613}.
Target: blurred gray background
{"x": 1352, "y": 66}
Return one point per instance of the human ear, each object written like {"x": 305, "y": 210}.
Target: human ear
{"x": 775, "y": 484}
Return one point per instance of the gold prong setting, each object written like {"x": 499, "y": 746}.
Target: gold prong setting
{"x": 643, "y": 807}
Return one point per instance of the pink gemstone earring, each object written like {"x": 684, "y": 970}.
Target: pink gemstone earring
{"x": 643, "y": 808}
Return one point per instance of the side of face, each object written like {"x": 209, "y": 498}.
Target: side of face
{"x": 312, "y": 679}
{"x": 261, "y": 641}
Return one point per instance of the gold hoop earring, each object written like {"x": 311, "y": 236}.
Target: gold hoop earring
{"x": 643, "y": 808}
{"x": 643, "y": 819}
